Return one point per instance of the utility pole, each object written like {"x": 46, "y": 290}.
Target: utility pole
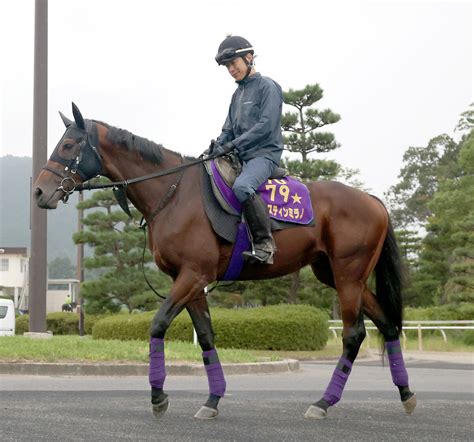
{"x": 38, "y": 260}
{"x": 79, "y": 267}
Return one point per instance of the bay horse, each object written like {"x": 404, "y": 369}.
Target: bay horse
{"x": 351, "y": 238}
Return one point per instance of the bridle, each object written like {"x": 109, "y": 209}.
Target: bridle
{"x": 87, "y": 162}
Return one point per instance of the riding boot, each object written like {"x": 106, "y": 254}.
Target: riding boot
{"x": 258, "y": 221}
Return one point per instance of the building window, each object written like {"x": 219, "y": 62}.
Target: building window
{"x": 23, "y": 265}
{"x": 58, "y": 286}
{"x": 4, "y": 265}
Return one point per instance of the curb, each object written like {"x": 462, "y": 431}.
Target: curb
{"x": 433, "y": 356}
{"x": 111, "y": 369}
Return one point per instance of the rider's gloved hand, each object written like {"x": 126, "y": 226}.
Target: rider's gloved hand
{"x": 210, "y": 149}
{"x": 220, "y": 150}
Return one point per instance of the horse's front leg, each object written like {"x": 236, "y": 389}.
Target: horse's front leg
{"x": 157, "y": 372}
{"x": 199, "y": 312}
{"x": 185, "y": 287}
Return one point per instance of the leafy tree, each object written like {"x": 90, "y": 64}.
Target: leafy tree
{"x": 118, "y": 245}
{"x": 460, "y": 284}
{"x": 466, "y": 122}
{"x": 446, "y": 267}
{"x": 424, "y": 167}
{"x": 453, "y": 208}
{"x": 409, "y": 243}
{"x": 61, "y": 268}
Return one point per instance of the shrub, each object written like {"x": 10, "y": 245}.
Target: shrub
{"x": 63, "y": 323}
{"x": 90, "y": 320}
{"x": 466, "y": 311}
{"x": 451, "y": 312}
{"x": 468, "y": 337}
{"x": 281, "y": 327}
{"x": 60, "y": 323}
{"x": 430, "y": 313}
{"x": 22, "y": 324}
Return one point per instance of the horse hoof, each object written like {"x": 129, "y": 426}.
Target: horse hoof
{"x": 160, "y": 408}
{"x": 314, "y": 412}
{"x": 410, "y": 404}
{"x": 206, "y": 413}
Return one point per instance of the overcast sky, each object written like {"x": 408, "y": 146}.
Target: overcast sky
{"x": 398, "y": 73}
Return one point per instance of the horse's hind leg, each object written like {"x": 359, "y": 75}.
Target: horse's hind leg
{"x": 199, "y": 312}
{"x": 350, "y": 295}
{"x": 392, "y": 345}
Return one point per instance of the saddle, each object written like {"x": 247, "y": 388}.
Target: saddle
{"x": 288, "y": 202}
{"x": 287, "y": 199}
{"x": 229, "y": 168}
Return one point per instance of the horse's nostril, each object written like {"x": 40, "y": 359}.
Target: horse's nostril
{"x": 37, "y": 192}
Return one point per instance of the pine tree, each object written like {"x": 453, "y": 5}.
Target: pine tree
{"x": 301, "y": 136}
{"x": 61, "y": 268}
{"x": 302, "y": 124}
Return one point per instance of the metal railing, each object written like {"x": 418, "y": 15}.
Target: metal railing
{"x": 420, "y": 325}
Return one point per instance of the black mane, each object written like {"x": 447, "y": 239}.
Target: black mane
{"x": 149, "y": 150}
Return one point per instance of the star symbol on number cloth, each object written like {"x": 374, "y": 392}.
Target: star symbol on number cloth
{"x": 296, "y": 199}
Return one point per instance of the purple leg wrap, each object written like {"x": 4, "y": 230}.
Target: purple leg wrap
{"x": 157, "y": 373}
{"x": 397, "y": 365}
{"x": 339, "y": 378}
{"x": 215, "y": 375}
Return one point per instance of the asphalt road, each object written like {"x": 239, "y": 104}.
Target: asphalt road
{"x": 257, "y": 407}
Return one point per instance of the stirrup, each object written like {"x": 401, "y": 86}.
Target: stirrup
{"x": 259, "y": 256}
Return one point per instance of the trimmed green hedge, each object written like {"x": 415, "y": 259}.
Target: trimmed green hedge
{"x": 282, "y": 327}
{"x": 60, "y": 323}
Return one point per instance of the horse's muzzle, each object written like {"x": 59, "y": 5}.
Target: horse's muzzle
{"x": 43, "y": 201}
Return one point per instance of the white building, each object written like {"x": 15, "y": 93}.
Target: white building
{"x": 58, "y": 291}
{"x": 14, "y": 262}
{"x": 13, "y": 272}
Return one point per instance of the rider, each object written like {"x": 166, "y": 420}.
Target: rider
{"x": 253, "y": 130}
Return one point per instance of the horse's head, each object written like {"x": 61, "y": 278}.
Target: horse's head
{"x": 74, "y": 160}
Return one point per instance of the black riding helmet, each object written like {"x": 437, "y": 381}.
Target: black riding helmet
{"x": 232, "y": 47}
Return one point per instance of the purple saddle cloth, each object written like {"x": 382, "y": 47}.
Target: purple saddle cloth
{"x": 287, "y": 199}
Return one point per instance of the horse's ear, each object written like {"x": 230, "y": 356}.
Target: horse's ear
{"x": 80, "y": 123}
{"x": 67, "y": 122}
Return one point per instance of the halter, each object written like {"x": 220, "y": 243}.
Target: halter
{"x": 87, "y": 162}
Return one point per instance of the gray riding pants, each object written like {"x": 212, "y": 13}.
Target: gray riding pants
{"x": 254, "y": 173}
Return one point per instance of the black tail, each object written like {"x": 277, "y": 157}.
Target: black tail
{"x": 389, "y": 279}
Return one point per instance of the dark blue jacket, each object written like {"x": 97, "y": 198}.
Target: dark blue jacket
{"x": 253, "y": 123}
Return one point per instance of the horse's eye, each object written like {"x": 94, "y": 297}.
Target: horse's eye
{"x": 68, "y": 146}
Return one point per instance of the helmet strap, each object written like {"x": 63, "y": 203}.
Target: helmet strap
{"x": 250, "y": 65}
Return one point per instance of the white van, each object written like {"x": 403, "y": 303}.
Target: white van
{"x": 7, "y": 317}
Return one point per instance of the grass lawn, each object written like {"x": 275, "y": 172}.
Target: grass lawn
{"x": 77, "y": 349}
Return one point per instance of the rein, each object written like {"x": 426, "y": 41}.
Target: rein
{"x": 90, "y": 186}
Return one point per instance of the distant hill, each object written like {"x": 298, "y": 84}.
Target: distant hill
{"x": 15, "y": 198}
